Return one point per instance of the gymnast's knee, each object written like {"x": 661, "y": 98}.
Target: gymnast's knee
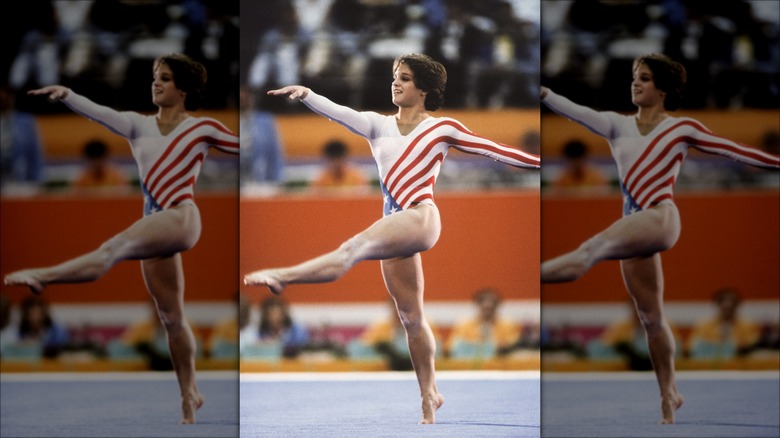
{"x": 172, "y": 320}
{"x": 350, "y": 252}
{"x": 652, "y": 321}
{"x": 412, "y": 321}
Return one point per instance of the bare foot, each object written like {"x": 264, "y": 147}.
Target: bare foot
{"x": 565, "y": 268}
{"x": 188, "y": 407}
{"x": 28, "y": 277}
{"x": 430, "y": 405}
{"x": 670, "y": 405}
{"x": 265, "y": 278}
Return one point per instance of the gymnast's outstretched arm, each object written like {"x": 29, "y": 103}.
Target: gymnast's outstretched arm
{"x": 119, "y": 122}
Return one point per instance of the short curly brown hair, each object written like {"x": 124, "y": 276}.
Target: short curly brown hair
{"x": 668, "y": 75}
{"x": 429, "y": 76}
{"x": 189, "y": 76}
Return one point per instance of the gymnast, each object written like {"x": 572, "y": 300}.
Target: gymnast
{"x": 649, "y": 148}
{"x": 409, "y": 148}
{"x": 169, "y": 148}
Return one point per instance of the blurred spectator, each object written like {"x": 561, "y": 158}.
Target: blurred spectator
{"x": 39, "y": 59}
{"x": 509, "y": 75}
{"x": 99, "y": 172}
{"x": 223, "y": 341}
{"x": 277, "y": 61}
{"x": 277, "y": 326}
{"x": 625, "y": 338}
{"x": 336, "y": 61}
{"x": 9, "y": 334}
{"x": 21, "y": 151}
{"x": 261, "y": 147}
{"x": 312, "y": 14}
{"x": 37, "y": 327}
{"x": 578, "y": 172}
{"x": 486, "y": 334}
{"x": 247, "y": 325}
{"x": 338, "y": 171}
{"x": 531, "y": 142}
{"x": 725, "y": 335}
{"x": 770, "y": 142}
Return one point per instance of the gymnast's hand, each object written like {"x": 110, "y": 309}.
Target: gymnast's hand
{"x": 543, "y": 91}
{"x": 294, "y": 91}
{"x": 55, "y": 92}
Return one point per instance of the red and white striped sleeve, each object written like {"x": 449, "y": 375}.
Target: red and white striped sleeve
{"x": 223, "y": 139}
{"x": 467, "y": 141}
{"x": 704, "y": 140}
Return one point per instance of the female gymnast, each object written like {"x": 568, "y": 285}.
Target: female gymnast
{"x": 409, "y": 148}
{"x": 169, "y": 148}
{"x": 649, "y": 148}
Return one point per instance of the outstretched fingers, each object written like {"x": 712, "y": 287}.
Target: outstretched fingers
{"x": 293, "y": 92}
{"x": 55, "y": 92}
{"x": 265, "y": 278}
{"x": 27, "y": 278}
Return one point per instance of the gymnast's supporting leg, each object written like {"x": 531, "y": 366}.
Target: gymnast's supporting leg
{"x": 643, "y": 278}
{"x": 164, "y": 278}
{"x": 163, "y": 233}
{"x": 640, "y": 234}
{"x": 401, "y": 234}
{"x": 404, "y": 280}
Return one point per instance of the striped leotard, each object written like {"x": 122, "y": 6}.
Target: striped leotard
{"x": 168, "y": 165}
{"x": 648, "y": 165}
{"x": 409, "y": 164}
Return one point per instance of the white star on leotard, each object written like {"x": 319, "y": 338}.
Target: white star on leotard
{"x": 393, "y": 210}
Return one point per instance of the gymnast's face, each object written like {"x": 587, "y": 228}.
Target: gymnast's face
{"x": 164, "y": 90}
{"x": 405, "y": 92}
{"x": 643, "y": 90}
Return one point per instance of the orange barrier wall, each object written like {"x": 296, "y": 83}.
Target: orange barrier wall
{"x": 728, "y": 239}
{"x": 488, "y": 239}
{"x": 744, "y": 126}
{"x": 48, "y": 230}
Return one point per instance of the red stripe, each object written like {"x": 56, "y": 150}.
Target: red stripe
{"x": 175, "y": 142}
{"x": 428, "y": 183}
{"x": 658, "y": 175}
{"x": 422, "y": 197}
{"x": 652, "y": 144}
{"x": 414, "y": 179}
{"x": 188, "y": 182}
{"x": 646, "y": 168}
{"x": 512, "y": 153}
{"x": 751, "y": 153}
{"x": 176, "y": 161}
{"x": 423, "y": 155}
{"x": 182, "y": 198}
{"x": 175, "y": 178}
{"x": 658, "y": 200}
{"x": 416, "y": 140}
{"x": 666, "y": 183}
